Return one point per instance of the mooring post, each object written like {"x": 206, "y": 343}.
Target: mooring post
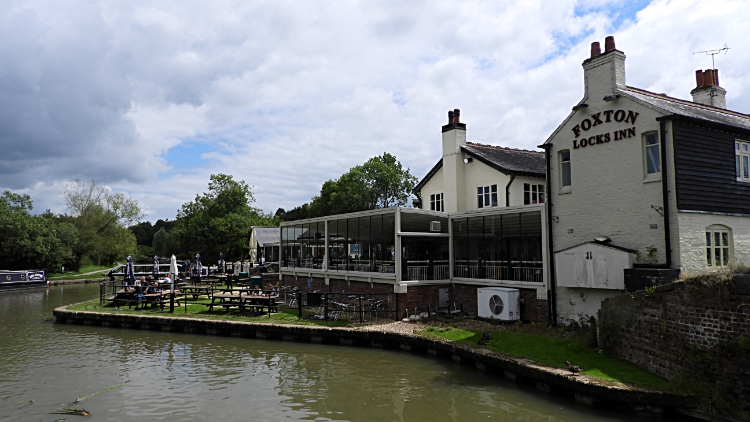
{"x": 299, "y": 304}
{"x": 360, "y": 309}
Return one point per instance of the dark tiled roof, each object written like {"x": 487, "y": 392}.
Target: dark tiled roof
{"x": 506, "y": 160}
{"x": 509, "y": 160}
{"x": 690, "y": 109}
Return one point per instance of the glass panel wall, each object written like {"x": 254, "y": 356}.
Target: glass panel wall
{"x": 424, "y": 258}
{"x": 499, "y": 247}
{"x": 423, "y": 223}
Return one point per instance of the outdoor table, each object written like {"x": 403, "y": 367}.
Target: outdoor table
{"x": 199, "y": 290}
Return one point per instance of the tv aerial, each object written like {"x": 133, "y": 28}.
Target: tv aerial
{"x": 713, "y": 53}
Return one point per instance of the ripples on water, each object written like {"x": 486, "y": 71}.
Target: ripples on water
{"x": 168, "y": 376}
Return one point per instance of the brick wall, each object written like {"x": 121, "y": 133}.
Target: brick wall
{"x": 681, "y": 331}
{"x": 419, "y": 297}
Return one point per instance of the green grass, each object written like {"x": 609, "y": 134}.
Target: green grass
{"x": 77, "y": 274}
{"x": 284, "y": 316}
{"x": 554, "y": 351}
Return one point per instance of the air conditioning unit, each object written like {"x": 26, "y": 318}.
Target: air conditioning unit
{"x": 498, "y": 303}
{"x": 434, "y": 226}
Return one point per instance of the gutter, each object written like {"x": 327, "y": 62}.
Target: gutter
{"x": 507, "y": 189}
{"x": 552, "y": 291}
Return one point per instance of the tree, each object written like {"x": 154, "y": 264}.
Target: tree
{"x": 381, "y": 182}
{"x": 220, "y": 220}
{"x": 100, "y": 216}
{"x": 102, "y": 207}
{"x": 27, "y": 241}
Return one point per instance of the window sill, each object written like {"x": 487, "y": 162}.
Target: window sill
{"x": 564, "y": 190}
{"x": 652, "y": 178}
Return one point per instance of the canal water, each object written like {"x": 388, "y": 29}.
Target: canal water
{"x": 169, "y": 376}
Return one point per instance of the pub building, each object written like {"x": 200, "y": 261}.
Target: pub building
{"x": 642, "y": 186}
{"x": 481, "y": 224}
{"x": 631, "y": 189}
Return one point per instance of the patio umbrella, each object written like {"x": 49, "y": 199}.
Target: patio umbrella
{"x": 222, "y": 264}
{"x": 173, "y": 265}
{"x": 156, "y": 267}
{"x": 129, "y": 272}
{"x": 198, "y": 264}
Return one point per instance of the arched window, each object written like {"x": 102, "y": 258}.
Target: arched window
{"x": 718, "y": 245}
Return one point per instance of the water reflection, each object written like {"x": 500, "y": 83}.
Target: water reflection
{"x": 168, "y": 376}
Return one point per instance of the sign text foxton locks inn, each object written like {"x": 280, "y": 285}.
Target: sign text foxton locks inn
{"x": 601, "y": 118}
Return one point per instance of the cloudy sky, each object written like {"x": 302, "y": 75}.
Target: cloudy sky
{"x": 151, "y": 98}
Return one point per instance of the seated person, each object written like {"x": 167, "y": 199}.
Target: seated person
{"x": 154, "y": 289}
{"x": 140, "y": 289}
{"x": 257, "y": 291}
{"x": 166, "y": 280}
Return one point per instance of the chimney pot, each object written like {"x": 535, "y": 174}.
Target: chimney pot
{"x": 716, "y": 77}
{"x": 456, "y": 116}
{"x": 595, "y": 49}
{"x": 609, "y": 43}
{"x": 699, "y": 78}
{"x": 450, "y": 116}
{"x": 708, "y": 77}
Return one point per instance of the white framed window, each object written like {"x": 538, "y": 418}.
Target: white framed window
{"x": 718, "y": 246}
{"x": 565, "y": 174}
{"x": 533, "y": 193}
{"x": 436, "y": 202}
{"x": 651, "y": 153}
{"x": 486, "y": 196}
{"x": 742, "y": 161}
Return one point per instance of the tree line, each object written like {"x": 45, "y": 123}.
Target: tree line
{"x": 93, "y": 231}
{"x": 100, "y": 227}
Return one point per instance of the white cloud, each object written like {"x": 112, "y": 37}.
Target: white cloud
{"x": 286, "y": 95}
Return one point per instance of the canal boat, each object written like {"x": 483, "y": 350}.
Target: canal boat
{"x": 22, "y": 278}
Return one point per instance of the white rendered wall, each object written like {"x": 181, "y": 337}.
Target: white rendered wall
{"x": 609, "y": 194}
{"x": 693, "y": 238}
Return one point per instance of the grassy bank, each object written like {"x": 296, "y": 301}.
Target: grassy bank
{"x": 284, "y": 316}
{"x": 551, "y": 347}
{"x": 82, "y": 273}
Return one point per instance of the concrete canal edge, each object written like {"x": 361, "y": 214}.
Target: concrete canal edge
{"x": 582, "y": 389}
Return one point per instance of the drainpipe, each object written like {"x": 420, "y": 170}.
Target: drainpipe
{"x": 552, "y": 291}
{"x": 507, "y": 189}
{"x": 665, "y": 192}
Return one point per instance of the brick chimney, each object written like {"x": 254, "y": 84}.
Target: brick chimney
{"x": 454, "y": 137}
{"x": 604, "y": 73}
{"x": 707, "y": 90}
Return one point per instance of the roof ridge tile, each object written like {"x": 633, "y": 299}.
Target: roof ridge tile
{"x": 502, "y": 148}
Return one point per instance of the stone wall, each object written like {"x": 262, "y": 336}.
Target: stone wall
{"x": 691, "y": 333}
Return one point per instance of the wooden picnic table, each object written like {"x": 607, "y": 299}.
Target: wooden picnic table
{"x": 199, "y": 290}
{"x": 228, "y": 299}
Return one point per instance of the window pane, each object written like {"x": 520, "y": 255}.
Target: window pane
{"x": 737, "y": 165}
{"x": 565, "y": 155}
{"x": 480, "y": 201}
{"x": 717, "y": 256}
{"x": 494, "y": 199}
{"x": 566, "y": 174}
{"x": 724, "y": 239}
{"x": 744, "y": 147}
{"x": 652, "y": 160}
{"x": 717, "y": 239}
{"x": 708, "y": 256}
{"x": 745, "y": 169}
{"x": 725, "y": 256}
{"x": 652, "y": 139}
{"x": 526, "y": 198}
{"x": 708, "y": 238}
